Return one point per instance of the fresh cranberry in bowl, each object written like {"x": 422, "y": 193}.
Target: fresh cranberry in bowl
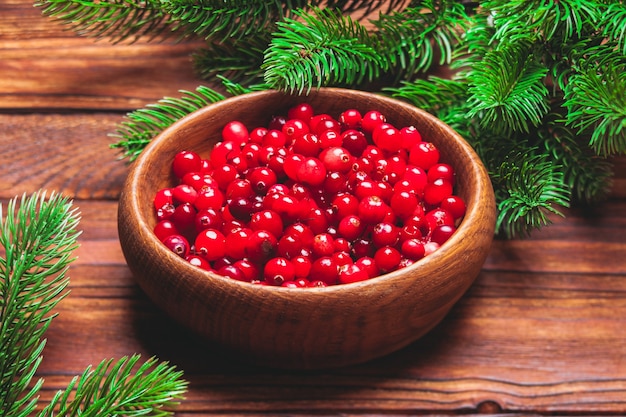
{"x": 338, "y": 304}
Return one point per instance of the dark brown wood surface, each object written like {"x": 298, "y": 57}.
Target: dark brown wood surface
{"x": 542, "y": 330}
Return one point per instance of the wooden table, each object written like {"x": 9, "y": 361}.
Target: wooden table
{"x": 542, "y": 331}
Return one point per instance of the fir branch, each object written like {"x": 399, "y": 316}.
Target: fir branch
{"x": 236, "y": 89}
{"x": 224, "y": 19}
{"x": 432, "y": 94}
{"x": 116, "y": 19}
{"x": 614, "y": 22}
{"x": 547, "y": 18}
{"x": 238, "y": 59}
{"x": 408, "y": 38}
{"x": 596, "y": 100}
{"x": 507, "y": 89}
{"x": 588, "y": 176}
{"x": 529, "y": 187}
{"x": 38, "y": 238}
{"x": 142, "y": 125}
{"x": 113, "y": 389}
{"x": 318, "y": 49}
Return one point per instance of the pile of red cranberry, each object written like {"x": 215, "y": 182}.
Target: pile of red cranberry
{"x": 310, "y": 200}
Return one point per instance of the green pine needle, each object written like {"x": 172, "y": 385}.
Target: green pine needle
{"x": 37, "y": 236}
{"x": 615, "y": 24}
{"x": 318, "y": 48}
{"x": 142, "y": 125}
{"x": 588, "y": 176}
{"x": 596, "y": 100}
{"x": 529, "y": 189}
{"x": 115, "y": 19}
{"x": 226, "y": 19}
{"x": 568, "y": 17}
{"x": 120, "y": 388}
{"x": 413, "y": 38}
{"x": 507, "y": 89}
{"x": 238, "y": 59}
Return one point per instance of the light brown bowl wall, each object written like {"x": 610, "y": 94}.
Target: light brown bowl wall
{"x": 311, "y": 328}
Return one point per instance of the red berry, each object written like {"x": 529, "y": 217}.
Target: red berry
{"x": 413, "y": 249}
{"x": 163, "y": 197}
{"x": 410, "y": 137}
{"x": 267, "y": 220}
{"x": 371, "y": 120}
{"x": 302, "y": 111}
{"x": 311, "y": 172}
{"x": 261, "y": 246}
{"x": 235, "y": 131}
{"x": 177, "y": 244}
{"x": 352, "y": 273}
{"x": 424, "y": 155}
{"x": 232, "y": 272}
{"x": 199, "y": 262}
{"x": 350, "y": 227}
{"x": 387, "y": 258}
{"x": 350, "y": 119}
{"x": 336, "y": 158}
{"x": 186, "y": 161}
{"x": 372, "y": 209}
{"x": 385, "y": 234}
{"x": 442, "y": 233}
{"x": 278, "y": 270}
{"x": 165, "y": 228}
{"x": 210, "y": 244}
{"x": 294, "y": 128}
{"x": 454, "y": 205}
{"x": 354, "y": 141}
{"x": 437, "y": 191}
{"x": 324, "y": 269}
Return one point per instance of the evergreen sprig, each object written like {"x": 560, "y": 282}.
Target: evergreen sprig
{"x": 507, "y": 92}
{"x": 142, "y": 125}
{"x": 117, "y": 388}
{"x": 321, "y": 47}
{"x": 117, "y": 20}
{"x": 38, "y": 235}
{"x": 413, "y": 38}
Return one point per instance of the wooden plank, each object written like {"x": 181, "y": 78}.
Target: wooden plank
{"x": 44, "y": 65}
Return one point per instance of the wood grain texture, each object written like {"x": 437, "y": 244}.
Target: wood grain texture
{"x": 541, "y": 331}
{"x": 46, "y": 66}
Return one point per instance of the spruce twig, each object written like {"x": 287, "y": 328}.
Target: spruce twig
{"x": 38, "y": 236}
{"x": 116, "y": 388}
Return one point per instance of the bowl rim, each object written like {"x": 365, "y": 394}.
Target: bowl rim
{"x": 479, "y": 177}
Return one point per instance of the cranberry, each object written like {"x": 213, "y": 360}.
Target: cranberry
{"x": 424, "y": 155}
{"x": 371, "y": 120}
{"x": 177, "y": 244}
{"x": 387, "y": 258}
{"x": 235, "y": 131}
{"x": 354, "y": 141}
{"x": 350, "y": 119}
{"x": 309, "y": 200}
{"x": 324, "y": 269}
{"x": 278, "y": 270}
{"x": 352, "y": 273}
{"x": 336, "y": 158}
{"x": 210, "y": 244}
{"x": 185, "y": 162}
{"x": 302, "y": 111}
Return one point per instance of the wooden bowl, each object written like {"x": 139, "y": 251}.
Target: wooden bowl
{"x": 317, "y": 327}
